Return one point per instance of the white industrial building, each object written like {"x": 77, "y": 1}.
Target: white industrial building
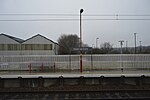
{"x": 36, "y": 45}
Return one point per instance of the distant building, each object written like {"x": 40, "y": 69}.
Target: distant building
{"x": 36, "y": 45}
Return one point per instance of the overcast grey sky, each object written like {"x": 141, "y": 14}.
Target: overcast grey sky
{"x": 106, "y": 30}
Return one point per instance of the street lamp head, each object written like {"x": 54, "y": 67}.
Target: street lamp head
{"x": 135, "y": 33}
{"x": 121, "y": 41}
{"x": 81, "y": 10}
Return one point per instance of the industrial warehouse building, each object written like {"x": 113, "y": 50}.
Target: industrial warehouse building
{"x": 36, "y": 45}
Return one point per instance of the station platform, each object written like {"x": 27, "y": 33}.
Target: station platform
{"x": 74, "y": 75}
{"x": 74, "y": 81}
{"x": 26, "y": 74}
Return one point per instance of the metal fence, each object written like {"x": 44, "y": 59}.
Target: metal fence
{"x": 72, "y": 62}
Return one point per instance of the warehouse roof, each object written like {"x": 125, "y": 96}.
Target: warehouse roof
{"x": 14, "y": 38}
{"x": 21, "y": 40}
{"x": 40, "y": 36}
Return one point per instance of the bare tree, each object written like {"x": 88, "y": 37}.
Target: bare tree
{"x": 67, "y": 42}
{"x": 106, "y": 48}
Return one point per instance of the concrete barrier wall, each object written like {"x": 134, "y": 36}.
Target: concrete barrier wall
{"x": 50, "y": 82}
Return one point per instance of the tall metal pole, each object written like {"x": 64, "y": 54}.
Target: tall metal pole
{"x": 97, "y": 42}
{"x": 81, "y": 10}
{"x": 140, "y": 46}
{"x": 135, "y": 42}
{"x": 121, "y": 43}
{"x": 126, "y": 46}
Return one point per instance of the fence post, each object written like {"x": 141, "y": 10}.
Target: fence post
{"x": 91, "y": 62}
{"x": 29, "y": 68}
{"x": 54, "y": 66}
{"x": 42, "y": 67}
{"x": 70, "y": 62}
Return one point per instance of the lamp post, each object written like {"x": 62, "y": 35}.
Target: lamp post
{"x": 135, "y": 42}
{"x": 97, "y": 42}
{"x": 140, "y": 46}
{"x": 81, "y": 11}
{"x": 121, "y": 43}
{"x": 126, "y": 46}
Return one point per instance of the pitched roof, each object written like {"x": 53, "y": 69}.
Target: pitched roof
{"x": 40, "y": 36}
{"x": 21, "y": 40}
{"x": 14, "y": 38}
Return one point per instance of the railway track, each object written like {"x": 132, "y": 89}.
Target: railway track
{"x": 32, "y": 88}
{"x": 91, "y": 95}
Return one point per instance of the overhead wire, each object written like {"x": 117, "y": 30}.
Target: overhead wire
{"x": 47, "y": 14}
{"x": 3, "y": 20}
{"x": 117, "y": 17}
